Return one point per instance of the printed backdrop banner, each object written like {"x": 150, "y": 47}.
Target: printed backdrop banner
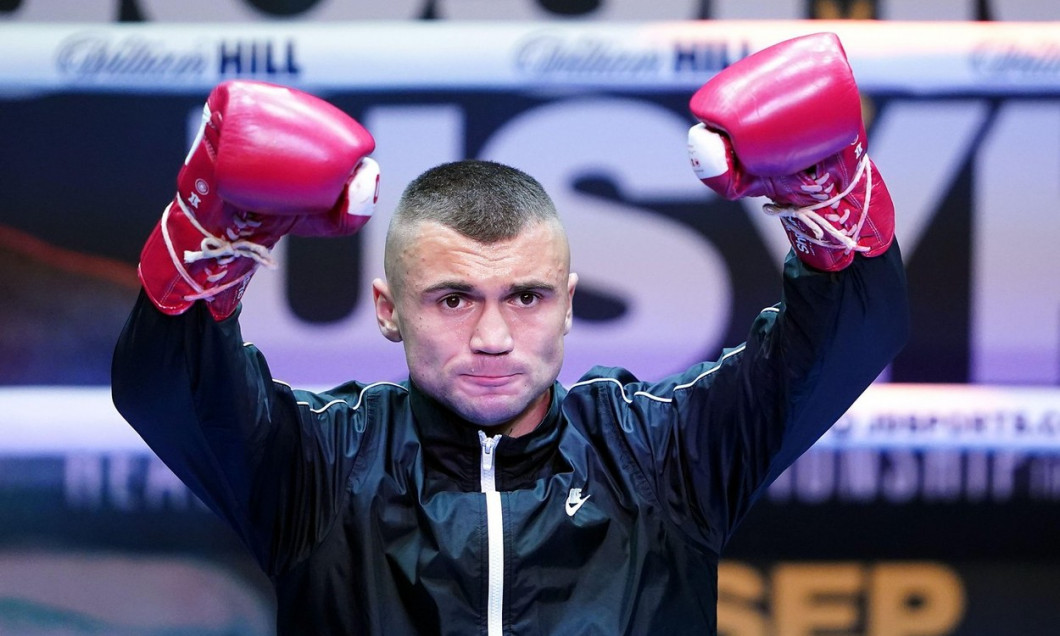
{"x": 243, "y": 11}
{"x": 930, "y": 508}
{"x": 964, "y": 126}
{"x": 910, "y": 57}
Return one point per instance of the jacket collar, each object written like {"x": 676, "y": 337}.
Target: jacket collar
{"x": 451, "y": 444}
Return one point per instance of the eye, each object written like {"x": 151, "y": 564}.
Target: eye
{"x": 452, "y": 301}
{"x": 527, "y": 299}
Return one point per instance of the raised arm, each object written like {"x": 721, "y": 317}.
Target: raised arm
{"x": 784, "y": 123}
{"x": 267, "y": 161}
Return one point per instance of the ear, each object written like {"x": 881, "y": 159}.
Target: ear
{"x": 572, "y": 282}
{"x": 385, "y": 311}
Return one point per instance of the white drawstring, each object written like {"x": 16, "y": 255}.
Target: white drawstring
{"x": 222, "y": 250}
{"x": 227, "y": 251}
{"x": 821, "y": 225}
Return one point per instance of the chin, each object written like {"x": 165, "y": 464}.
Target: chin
{"x": 490, "y": 418}
{"x": 489, "y": 413}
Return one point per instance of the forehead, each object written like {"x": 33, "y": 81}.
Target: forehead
{"x": 434, "y": 253}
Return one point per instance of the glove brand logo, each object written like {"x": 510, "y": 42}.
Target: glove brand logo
{"x": 202, "y": 187}
{"x": 93, "y": 56}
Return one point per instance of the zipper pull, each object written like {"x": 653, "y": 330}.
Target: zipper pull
{"x": 486, "y": 468}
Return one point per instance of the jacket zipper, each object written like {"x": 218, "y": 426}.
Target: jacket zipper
{"x": 495, "y": 535}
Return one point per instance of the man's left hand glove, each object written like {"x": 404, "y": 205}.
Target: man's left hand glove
{"x": 786, "y": 123}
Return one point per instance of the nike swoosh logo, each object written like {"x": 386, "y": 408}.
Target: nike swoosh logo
{"x": 575, "y": 501}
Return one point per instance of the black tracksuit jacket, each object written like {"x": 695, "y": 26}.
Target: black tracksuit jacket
{"x": 374, "y": 510}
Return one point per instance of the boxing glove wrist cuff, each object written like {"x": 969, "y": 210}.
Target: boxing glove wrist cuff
{"x": 830, "y": 223}
{"x": 223, "y": 251}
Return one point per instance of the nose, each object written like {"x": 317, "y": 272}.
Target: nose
{"x": 492, "y": 334}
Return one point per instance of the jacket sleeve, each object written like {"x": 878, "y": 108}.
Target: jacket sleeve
{"x": 734, "y": 425}
{"x": 253, "y": 450}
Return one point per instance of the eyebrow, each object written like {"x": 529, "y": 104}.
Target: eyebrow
{"x": 462, "y": 287}
{"x": 532, "y": 286}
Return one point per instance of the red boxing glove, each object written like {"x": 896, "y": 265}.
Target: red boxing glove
{"x": 267, "y": 161}
{"x": 785, "y": 123}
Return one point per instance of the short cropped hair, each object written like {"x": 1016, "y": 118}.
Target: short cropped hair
{"x": 483, "y": 200}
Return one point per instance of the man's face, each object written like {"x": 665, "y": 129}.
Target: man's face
{"x": 482, "y": 324}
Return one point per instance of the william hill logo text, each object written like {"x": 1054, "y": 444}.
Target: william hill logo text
{"x": 259, "y": 58}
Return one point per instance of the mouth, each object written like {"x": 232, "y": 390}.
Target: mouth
{"x": 489, "y": 379}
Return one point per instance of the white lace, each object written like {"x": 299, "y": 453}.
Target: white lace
{"x": 826, "y": 224}
{"x": 223, "y": 250}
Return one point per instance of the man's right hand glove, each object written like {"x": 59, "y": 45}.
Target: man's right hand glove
{"x": 268, "y": 161}
{"x": 785, "y": 123}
